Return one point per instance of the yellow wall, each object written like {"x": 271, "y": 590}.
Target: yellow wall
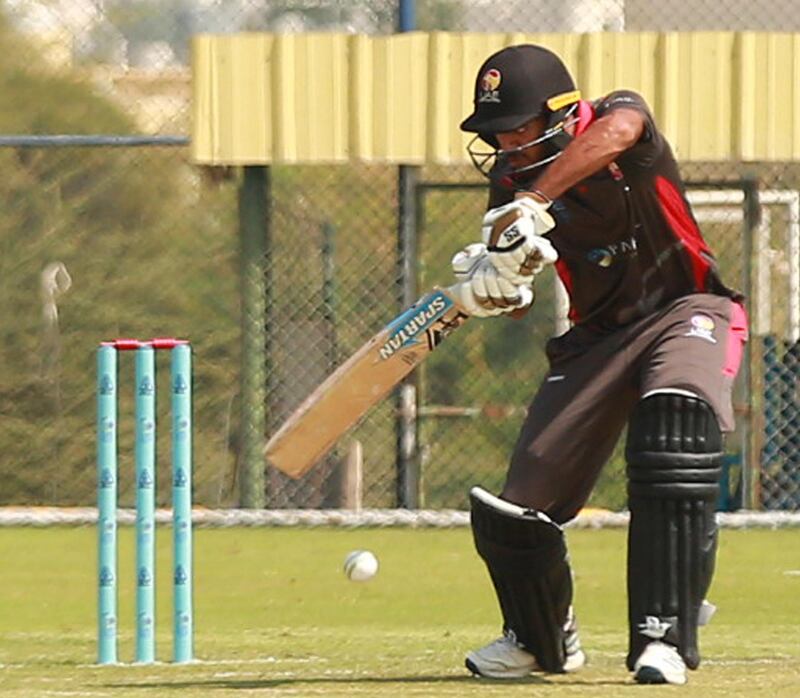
{"x": 314, "y": 98}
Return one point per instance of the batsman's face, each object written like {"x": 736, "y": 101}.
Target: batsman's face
{"x": 520, "y": 147}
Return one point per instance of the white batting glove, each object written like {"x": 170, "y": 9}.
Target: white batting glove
{"x": 514, "y": 236}
{"x": 481, "y": 290}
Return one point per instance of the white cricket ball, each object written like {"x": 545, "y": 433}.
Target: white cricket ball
{"x": 360, "y": 565}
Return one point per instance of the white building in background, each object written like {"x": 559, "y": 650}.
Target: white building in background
{"x": 630, "y": 15}
{"x": 712, "y": 15}
{"x": 75, "y": 16}
{"x": 543, "y": 15}
{"x": 85, "y": 29}
{"x": 82, "y": 31}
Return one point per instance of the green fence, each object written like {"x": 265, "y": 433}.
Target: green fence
{"x": 109, "y": 241}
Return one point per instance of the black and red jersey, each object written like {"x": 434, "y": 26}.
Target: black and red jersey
{"x": 627, "y": 240}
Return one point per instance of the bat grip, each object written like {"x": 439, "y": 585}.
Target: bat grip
{"x": 517, "y": 313}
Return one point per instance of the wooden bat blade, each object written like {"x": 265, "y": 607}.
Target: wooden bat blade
{"x": 362, "y": 381}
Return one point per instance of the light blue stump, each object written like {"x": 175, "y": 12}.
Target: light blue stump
{"x": 107, "y": 504}
{"x": 182, "y": 501}
{"x": 145, "y": 457}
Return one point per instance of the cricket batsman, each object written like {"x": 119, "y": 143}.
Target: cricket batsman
{"x": 656, "y": 342}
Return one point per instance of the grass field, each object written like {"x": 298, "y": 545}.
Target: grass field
{"x": 276, "y": 617}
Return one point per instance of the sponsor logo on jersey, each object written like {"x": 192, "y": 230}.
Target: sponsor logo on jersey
{"x": 601, "y": 257}
{"x": 413, "y": 324}
{"x": 702, "y": 326}
{"x": 490, "y": 82}
{"x": 606, "y": 256}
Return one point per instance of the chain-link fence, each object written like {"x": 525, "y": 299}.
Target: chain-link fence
{"x": 108, "y": 242}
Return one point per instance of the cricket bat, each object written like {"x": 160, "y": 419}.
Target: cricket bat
{"x": 362, "y": 381}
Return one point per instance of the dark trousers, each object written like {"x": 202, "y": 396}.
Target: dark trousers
{"x": 694, "y": 344}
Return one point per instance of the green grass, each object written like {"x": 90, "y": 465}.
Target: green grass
{"x": 276, "y": 617}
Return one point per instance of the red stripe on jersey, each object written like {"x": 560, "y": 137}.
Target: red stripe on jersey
{"x": 566, "y": 279}
{"x": 585, "y": 117}
{"x": 680, "y": 220}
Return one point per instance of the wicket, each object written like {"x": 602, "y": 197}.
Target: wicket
{"x": 145, "y": 464}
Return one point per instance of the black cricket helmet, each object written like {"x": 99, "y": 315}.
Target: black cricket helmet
{"x": 514, "y": 86}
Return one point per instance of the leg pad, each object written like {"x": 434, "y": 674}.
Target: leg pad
{"x": 526, "y": 556}
{"x": 674, "y": 455}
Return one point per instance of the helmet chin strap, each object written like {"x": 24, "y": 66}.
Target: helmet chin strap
{"x": 485, "y": 161}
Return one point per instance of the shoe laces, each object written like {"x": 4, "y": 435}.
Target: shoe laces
{"x": 509, "y": 637}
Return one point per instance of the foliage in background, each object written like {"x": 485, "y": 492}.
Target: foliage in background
{"x": 149, "y": 253}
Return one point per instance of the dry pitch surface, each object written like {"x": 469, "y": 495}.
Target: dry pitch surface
{"x": 275, "y": 616}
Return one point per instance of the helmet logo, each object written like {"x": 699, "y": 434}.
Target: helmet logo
{"x": 490, "y": 81}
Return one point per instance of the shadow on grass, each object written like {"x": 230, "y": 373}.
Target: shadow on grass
{"x": 255, "y": 684}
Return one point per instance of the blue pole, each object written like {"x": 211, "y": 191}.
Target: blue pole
{"x": 182, "y": 501}
{"x": 107, "y": 505}
{"x": 145, "y": 457}
{"x": 407, "y": 16}
{"x": 407, "y": 452}
{"x": 772, "y": 403}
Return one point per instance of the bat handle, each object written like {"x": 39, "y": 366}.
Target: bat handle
{"x": 518, "y": 313}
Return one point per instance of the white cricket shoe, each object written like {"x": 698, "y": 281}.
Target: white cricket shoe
{"x": 501, "y": 659}
{"x": 504, "y": 658}
{"x": 660, "y": 663}
{"x": 575, "y": 656}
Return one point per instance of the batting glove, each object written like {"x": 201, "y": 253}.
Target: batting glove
{"x": 514, "y": 237}
{"x": 481, "y": 290}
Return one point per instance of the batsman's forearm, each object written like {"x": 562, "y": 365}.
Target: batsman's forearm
{"x": 597, "y": 147}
